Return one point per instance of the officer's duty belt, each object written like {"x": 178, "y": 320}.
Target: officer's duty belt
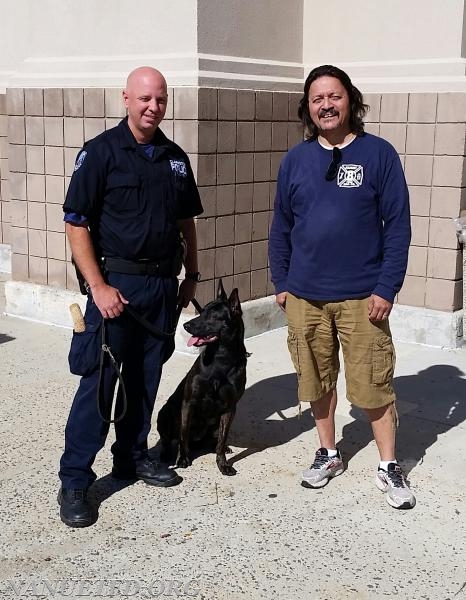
{"x": 164, "y": 267}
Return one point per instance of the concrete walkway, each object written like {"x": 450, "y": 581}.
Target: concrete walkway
{"x": 258, "y": 535}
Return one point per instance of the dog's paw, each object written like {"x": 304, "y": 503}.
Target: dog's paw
{"x": 227, "y": 470}
{"x": 228, "y": 450}
{"x": 183, "y": 462}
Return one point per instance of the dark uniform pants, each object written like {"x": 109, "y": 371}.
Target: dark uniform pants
{"x": 142, "y": 355}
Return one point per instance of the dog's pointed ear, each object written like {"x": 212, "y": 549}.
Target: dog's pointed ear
{"x": 221, "y": 294}
{"x": 235, "y": 304}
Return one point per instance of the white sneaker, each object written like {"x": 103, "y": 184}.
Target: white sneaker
{"x": 393, "y": 482}
{"x": 322, "y": 469}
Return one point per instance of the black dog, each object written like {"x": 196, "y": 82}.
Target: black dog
{"x": 200, "y": 411}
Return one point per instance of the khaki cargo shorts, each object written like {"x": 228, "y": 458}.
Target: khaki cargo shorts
{"x": 315, "y": 332}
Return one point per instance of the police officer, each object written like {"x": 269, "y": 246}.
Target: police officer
{"x": 131, "y": 195}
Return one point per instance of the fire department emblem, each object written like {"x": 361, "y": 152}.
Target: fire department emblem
{"x": 350, "y": 176}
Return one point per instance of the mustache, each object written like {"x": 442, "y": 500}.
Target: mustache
{"x": 331, "y": 112}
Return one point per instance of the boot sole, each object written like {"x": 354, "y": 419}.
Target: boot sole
{"x": 170, "y": 483}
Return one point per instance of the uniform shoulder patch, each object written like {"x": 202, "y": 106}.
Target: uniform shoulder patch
{"x": 179, "y": 167}
{"x": 80, "y": 160}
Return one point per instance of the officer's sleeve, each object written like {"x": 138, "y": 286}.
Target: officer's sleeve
{"x": 190, "y": 202}
{"x": 87, "y": 183}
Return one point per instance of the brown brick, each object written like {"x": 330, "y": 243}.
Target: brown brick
{"x": 418, "y": 170}
{"x": 258, "y": 284}
{"x": 242, "y": 281}
{"x": 93, "y": 127}
{"x": 55, "y": 189}
{"x": 264, "y": 106}
{"x": 19, "y": 240}
{"x": 224, "y": 261}
{"x": 260, "y": 226}
{"x": 243, "y": 228}
{"x": 56, "y": 273}
{"x": 35, "y": 159}
{"x": 259, "y": 255}
{"x": 207, "y": 169}
{"x": 226, "y": 105}
{"x": 17, "y": 158}
{"x": 447, "y": 201}
{"x": 420, "y": 139}
{"x": 394, "y": 108}
{"x": 205, "y": 233}
{"x": 16, "y": 130}
{"x": 442, "y": 233}
{"x": 36, "y": 215}
{"x": 37, "y": 242}
{"x": 226, "y": 136}
{"x": 207, "y": 103}
{"x": 262, "y": 166}
{"x": 35, "y": 131}
{"x": 56, "y": 245}
{"x": 243, "y": 201}
{"x": 15, "y": 101}
{"x": 114, "y": 106}
{"x": 419, "y": 200}
{"x": 279, "y": 106}
{"x": 444, "y": 263}
{"x": 17, "y": 213}
{"x": 451, "y": 107}
{"x": 262, "y": 136}
{"x": 442, "y": 294}
{"x": 186, "y": 135}
{"x": 53, "y": 131}
{"x": 94, "y": 102}
{"x": 34, "y": 102}
{"x": 373, "y": 114}
{"x": 19, "y": 267}
{"x": 417, "y": 261}
{"x": 73, "y": 102}
{"x": 413, "y": 291}
{"x": 242, "y": 258}
{"x": 206, "y": 262}
{"x": 54, "y": 161}
{"x": 244, "y": 168}
{"x": 225, "y": 231}
{"x": 395, "y": 133}
{"x": 422, "y": 108}
{"x": 38, "y": 270}
{"x": 450, "y": 139}
{"x": 225, "y": 199}
{"x": 261, "y": 196}
{"x": 226, "y": 165}
{"x": 209, "y": 200}
{"x": 449, "y": 171}
{"x": 53, "y": 102}
{"x": 55, "y": 221}
{"x": 246, "y": 105}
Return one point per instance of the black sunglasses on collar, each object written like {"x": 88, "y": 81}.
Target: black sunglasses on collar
{"x": 333, "y": 166}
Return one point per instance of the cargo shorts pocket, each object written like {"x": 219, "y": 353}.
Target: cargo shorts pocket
{"x": 383, "y": 361}
{"x": 294, "y": 350}
{"x": 84, "y": 354}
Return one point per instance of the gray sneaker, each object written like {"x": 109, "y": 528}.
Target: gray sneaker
{"x": 393, "y": 482}
{"x": 322, "y": 469}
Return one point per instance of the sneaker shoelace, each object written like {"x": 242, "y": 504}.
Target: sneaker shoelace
{"x": 320, "y": 461}
{"x": 396, "y": 478}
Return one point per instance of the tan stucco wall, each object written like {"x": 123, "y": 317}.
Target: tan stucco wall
{"x": 394, "y": 46}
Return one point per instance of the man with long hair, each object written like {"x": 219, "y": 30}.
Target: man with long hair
{"x": 338, "y": 254}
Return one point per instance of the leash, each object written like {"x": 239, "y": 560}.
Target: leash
{"x": 105, "y": 350}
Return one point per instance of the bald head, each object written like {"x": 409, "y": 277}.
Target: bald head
{"x": 145, "y": 74}
{"x": 145, "y": 98}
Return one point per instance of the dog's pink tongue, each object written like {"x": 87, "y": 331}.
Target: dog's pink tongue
{"x": 193, "y": 340}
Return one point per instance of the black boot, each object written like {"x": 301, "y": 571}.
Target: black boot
{"x": 75, "y": 510}
{"x": 150, "y": 472}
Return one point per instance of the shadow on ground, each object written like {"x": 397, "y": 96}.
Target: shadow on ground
{"x": 5, "y": 338}
{"x": 430, "y": 403}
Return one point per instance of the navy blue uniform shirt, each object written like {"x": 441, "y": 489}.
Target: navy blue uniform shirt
{"x": 132, "y": 200}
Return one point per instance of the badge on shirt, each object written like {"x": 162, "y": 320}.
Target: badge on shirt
{"x": 80, "y": 160}
{"x": 179, "y": 168}
{"x": 350, "y": 176}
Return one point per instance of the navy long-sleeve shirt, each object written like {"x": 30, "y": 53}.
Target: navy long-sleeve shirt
{"x": 346, "y": 238}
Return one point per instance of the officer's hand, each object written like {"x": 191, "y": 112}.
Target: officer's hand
{"x": 379, "y": 308}
{"x": 108, "y": 300}
{"x": 186, "y": 292}
{"x": 280, "y": 299}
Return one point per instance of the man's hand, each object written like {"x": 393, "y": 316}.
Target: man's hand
{"x": 108, "y": 300}
{"x": 186, "y": 292}
{"x": 379, "y": 308}
{"x": 280, "y": 299}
